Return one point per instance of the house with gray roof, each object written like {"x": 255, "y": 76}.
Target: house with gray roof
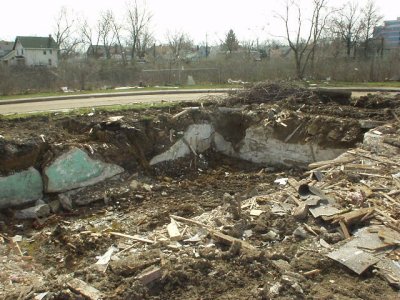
{"x": 33, "y": 51}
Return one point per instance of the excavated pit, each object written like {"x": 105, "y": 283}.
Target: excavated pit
{"x": 269, "y": 125}
{"x": 114, "y": 171}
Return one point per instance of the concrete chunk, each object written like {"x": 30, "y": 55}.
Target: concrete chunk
{"x": 38, "y": 211}
{"x": 76, "y": 169}
{"x": 20, "y": 188}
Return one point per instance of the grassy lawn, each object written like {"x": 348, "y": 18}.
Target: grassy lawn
{"x": 87, "y": 110}
{"x": 111, "y": 91}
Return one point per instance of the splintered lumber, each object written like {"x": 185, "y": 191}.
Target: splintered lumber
{"x": 132, "y": 237}
{"x": 371, "y": 157}
{"x": 344, "y": 229}
{"x": 330, "y": 163}
{"x": 390, "y": 198}
{"x": 389, "y": 237}
{"x": 84, "y": 289}
{"x": 173, "y": 231}
{"x": 361, "y": 167}
{"x": 354, "y": 216}
{"x": 227, "y": 239}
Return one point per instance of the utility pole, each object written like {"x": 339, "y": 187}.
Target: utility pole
{"x": 206, "y": 45}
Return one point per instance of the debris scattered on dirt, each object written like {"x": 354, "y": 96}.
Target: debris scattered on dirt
{"x": 208, "y": 224}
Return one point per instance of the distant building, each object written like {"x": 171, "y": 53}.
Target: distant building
{"x": 389, "y": 34}
{"x": 5, "y": 48}
{"x": 32, "y": 51}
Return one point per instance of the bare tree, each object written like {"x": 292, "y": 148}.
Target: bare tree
{"x": 65, "y": 27}
{"x": 106, "y": 31}
{"x": 370, "y": 18}
{"x": 101, "y": 38}
{"x": 178, "y": 41}
{"x": 302, "y": 41}
{"x": 90, "y": 38}
{"x": 117, "y": 29}
{"x": 146, "y": 40}
{"x": 320, "y": 20}
{"x": 347, "y": 24}
{"x": 139, "y": 19}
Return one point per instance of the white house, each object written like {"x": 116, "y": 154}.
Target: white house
{"x": 33, "y": 51}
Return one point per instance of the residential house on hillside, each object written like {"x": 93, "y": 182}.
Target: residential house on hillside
{"x": 33, "y": 51}
{"x": 389, "y": 34}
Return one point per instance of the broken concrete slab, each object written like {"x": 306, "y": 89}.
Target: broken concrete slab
{"x": 178, "y": 150}
{"x": 75, "y": 169}
{"x": 259, "y": 146}
{"x": 197, "y": 138}
{"x": 20, "y": 188}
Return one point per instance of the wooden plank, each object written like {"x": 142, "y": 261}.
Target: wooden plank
{"x": 216, "y": 234}
{"x": 344, "y": 229}
{"x": 133, "y": 237}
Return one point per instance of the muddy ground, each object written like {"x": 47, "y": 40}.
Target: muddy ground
{"x": 140, "y": 201}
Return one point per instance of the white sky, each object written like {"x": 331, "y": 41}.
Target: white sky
{"x": 248, "y": 19}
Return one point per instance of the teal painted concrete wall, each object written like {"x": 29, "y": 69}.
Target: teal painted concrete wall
{"x": 21, "y": 188}
{"x": 76, "y": 169}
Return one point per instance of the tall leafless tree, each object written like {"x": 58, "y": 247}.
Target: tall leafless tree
{"x": 304, "y": 38}
{"x": 138, "y": 22}
{"x": 117, "y": 29}
{"x": 106, "y": 31}
{"x": 90, "y": 38}
{"x": 65, "y": 27}
{"x": 348, "y": 25}
{"x": 370, "y": 18}
{"x": 320, "y": 21}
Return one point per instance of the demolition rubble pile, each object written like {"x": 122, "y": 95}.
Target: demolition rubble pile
{"x": 235, "y": 225}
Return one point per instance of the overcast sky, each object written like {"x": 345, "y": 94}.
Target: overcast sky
{"x": 248, "y": 18}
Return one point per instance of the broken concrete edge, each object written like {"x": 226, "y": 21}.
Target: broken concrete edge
{"x": 71, "y": 170}
{"x": 75, "y": 169}
{"x": 120, "y": 94}
{"x": 256, "y": 147}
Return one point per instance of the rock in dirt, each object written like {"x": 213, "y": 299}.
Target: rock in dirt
{"x": 66, "y": 202}
{"x": 133, "y": 264}
{"x": 38, "y": 211}
{"x": 150, "y": 275}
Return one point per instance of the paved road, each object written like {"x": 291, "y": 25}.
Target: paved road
{"x": 67, "y": 104}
